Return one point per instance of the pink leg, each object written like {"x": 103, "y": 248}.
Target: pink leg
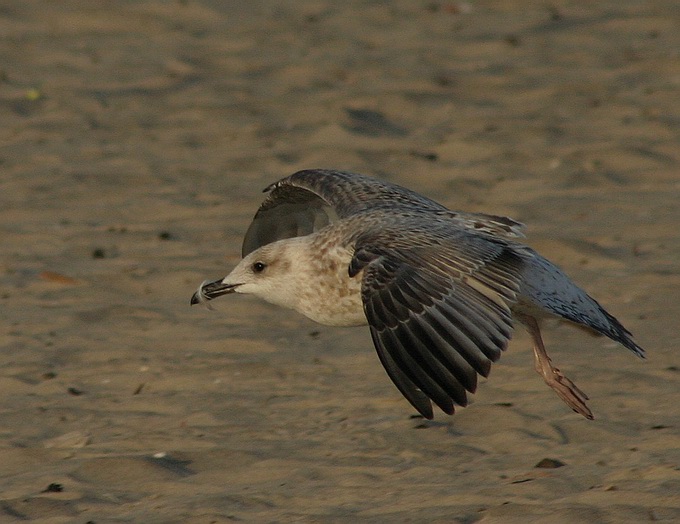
{"x": 565, "y": 388}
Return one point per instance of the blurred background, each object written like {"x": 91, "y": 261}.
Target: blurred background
{"x": 135, "y": 140}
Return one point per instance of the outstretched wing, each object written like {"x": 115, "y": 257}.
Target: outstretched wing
{"x": 439, "y": 311}
{"x": 309, "y": 200}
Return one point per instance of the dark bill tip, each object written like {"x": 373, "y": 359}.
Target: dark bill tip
{"x": 208, "y": 291}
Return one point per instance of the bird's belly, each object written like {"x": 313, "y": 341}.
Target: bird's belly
{"x": 342, "y": 319}
{"x": 336, "y": 311}
{"x": 333, "y": 298}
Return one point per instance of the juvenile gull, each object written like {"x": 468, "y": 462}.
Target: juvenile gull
{"x": 439, "y": 289}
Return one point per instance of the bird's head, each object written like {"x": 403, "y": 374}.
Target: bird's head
{"x": 271, "y": 272}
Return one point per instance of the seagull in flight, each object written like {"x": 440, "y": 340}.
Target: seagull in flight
{"x": 440, "y": 290}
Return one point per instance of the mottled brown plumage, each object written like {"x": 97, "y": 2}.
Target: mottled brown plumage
{"x": 439, "y": 289}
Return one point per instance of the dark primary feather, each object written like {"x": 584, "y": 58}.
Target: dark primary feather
{"x": 438, "y": 317}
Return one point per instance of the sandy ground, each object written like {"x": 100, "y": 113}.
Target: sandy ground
{"x": 136, "y": 137}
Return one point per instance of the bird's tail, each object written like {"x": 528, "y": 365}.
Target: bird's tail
{"x": 548, "y": 288}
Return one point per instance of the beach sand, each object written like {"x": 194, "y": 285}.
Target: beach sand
{"x": 136, "y": 138}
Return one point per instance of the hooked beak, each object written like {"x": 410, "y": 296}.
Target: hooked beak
{"x": 209, "y": 290}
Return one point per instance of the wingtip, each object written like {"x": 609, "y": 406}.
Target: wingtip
{"x": 628, "y": 343}
{"x": 423, "y": 408}
{"x": 428, "y": 414}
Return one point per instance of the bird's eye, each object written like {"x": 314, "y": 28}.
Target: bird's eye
{"x": 258, "y": 267}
